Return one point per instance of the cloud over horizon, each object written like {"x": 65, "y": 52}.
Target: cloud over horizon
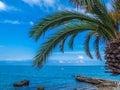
{"x": 40, "y": 2}
{"x": 73, "y": 58}
{"x": 17, "y": 22}
{"x": 5, "y": 7}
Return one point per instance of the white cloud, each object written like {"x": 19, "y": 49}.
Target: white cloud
{"x": 80, "y": 10}
{"x": 44, "y": 5}
{"x": 32, "y": 2}
{"x": 11, "y": 21}
{"x": 68, "y": 57}
{"x": 61, "y": 61}
{"x": 69, "y": 53}
{"x": 17, "y": 22}
{"x": 40, "y": 2}
{"x": 81, "y": 59}
{"x": 31, "y": 23}
{"x": 73, "y": 58}
{"x": 16, "y": 59}
{"x": 62, "y": 8}
{"x": 49, "y": 2}
{"x": 3, "y": 6}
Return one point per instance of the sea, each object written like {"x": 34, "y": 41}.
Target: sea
{"x": 51, "y": 77}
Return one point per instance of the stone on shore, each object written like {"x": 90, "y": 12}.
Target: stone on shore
{"x": 21, "y": 83}
{"x": 100, "y": 83}
{"x": 40, "y": 88}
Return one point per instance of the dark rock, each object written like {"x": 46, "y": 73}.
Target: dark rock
{"x": 98, "y": 82}
{"x": 21, "y": 83}
{"x": 40, "y": 88}
{"x": 75, "y": 89}
{"x": 83, "y": 89}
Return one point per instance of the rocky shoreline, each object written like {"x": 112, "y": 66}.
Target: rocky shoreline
{"x": 100, "y": 83}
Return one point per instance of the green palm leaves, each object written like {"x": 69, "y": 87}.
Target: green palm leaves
{"x": 100, "y": 25}
{"x": 116, "y": 5}
{"x": 54, "y": 40}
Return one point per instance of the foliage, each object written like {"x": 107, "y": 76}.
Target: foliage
{"x": 100, "y": 24}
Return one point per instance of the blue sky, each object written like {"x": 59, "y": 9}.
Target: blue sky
{"x": 17, "y": 17}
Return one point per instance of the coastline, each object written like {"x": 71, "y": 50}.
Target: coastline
{"x": 52, "y": 77}
{"x": 101, "y": 84}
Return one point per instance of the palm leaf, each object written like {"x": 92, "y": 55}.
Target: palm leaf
{"x": 71, "y": 41}
{"x": 53, "y": 41}
{"x": 102, "y": 25}
{"x": 116, "y": 5}
{"x": 86, "y": 43}
{"x": 62, "y": 44}
{"x": 98, "y": 9}
{"x": 96, "y": 47}
{"x": 83, "y": 3}
{"x": 61, "y": 18}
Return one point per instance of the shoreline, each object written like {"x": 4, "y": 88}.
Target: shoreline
{"x": 101, "y": 84}
{"x": 60, "y": 79}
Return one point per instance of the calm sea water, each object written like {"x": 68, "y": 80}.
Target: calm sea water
{"x": 51, "y": 77}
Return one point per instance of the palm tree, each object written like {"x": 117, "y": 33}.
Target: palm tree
{"x": 100, "y": 23}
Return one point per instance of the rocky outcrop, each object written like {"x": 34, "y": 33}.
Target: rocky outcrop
{"x": 21, "y": 83}
{"x": 100, "y": 83}
{"x": 40, "y": 88}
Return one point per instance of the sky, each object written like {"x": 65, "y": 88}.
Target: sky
{"x": 18, "y": 17}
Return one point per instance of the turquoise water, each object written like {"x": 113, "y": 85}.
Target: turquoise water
{"x": 51, "y": 77}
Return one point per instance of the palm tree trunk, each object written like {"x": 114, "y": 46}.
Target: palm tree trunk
{"x": 112, "y": 57}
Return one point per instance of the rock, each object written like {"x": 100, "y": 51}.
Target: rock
{"x": 98, "y": 82}
{"x": 21, "y": 83}
{"x": 40, "y": 88}
{"x": 83, "y": 89}
{"x": 75, "y": 89}
{"x": 109, "y": 88}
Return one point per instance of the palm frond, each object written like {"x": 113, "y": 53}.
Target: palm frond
{"x": 86, "y": 43}
{"x": 96, "y": 47}
{"x": 61, "y": 18}
{"x": 62, "y": 44}
{"x": 54, "y": 40}
{"x": 115, "y": 14}
{"x": 71, "y": 41}
{"x": 83, "y": 3}
{"x": 89, "y": 5}
{"x": 99, "y": 10}
{"x": 116, "y": 5}
{"x": 107, "y": 35}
